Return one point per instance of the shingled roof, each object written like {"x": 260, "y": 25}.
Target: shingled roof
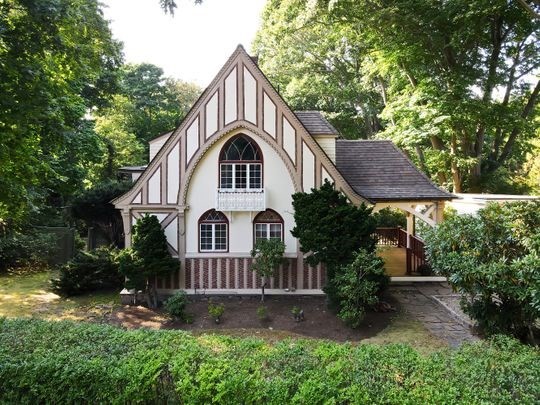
{"x": 379, "y": 171}
{"x": 315, "y": 123}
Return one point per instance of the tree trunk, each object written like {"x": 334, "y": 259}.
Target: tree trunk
{"x": 263, "y": 284}
{"x": 456, "y": 177}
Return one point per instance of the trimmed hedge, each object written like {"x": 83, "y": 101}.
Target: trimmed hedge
{"x": 65, "y": 362}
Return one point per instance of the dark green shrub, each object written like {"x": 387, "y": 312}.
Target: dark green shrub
{"x": 94, "y": 207}
{"x": 492, "y": 259}
{"x": 66, "y": 362}
{"x": 176, "y": 305}
{"x": 89, "y": 271}
{"x": 28, "y": 249}
{"x": 147, "y": 259}
{"x": 390, "y": 218}
{"x": 359, "y": 285}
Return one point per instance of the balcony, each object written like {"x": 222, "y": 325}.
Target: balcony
{"x": 240, "y": 200}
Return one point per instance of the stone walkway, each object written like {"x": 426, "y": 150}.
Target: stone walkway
{"x": 418, "y": 300}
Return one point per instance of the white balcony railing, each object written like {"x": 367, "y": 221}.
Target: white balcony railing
{"x": 240, "y": 200}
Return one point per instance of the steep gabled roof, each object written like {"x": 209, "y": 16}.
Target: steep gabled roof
{"x": 379, "y": 171}
{"x": 315, "y": 123}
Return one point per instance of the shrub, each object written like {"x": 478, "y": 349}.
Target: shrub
{"x": 359, "y": 285}
{"x": 148, "y": 258}
{"x": 390, "y": 218}
{"x": 28, "y": 249}
{"x": 67, "y": 362}
{"x": 176, "y": 305}
{"x": 88, "y": 271}
{"x": 216, "y": 310}
{"x": 492, "y": 259}
{"x": 262, "y": 313}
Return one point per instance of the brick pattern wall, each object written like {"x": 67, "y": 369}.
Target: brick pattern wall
{"x": 235, "y": 273}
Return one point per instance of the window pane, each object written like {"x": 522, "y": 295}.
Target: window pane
{"x": 260, "y": 231}
{"x": 206, "y": 237}
{"x": 241, "y": 176}
{"x": 220, "y": 236}
{"x": 275, "y": 231}
{"x": 226, "y": 176}
{"x": 255, "y": 176}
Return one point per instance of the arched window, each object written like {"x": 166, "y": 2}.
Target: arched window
{"x": 240, "y": 164}
{"x": 213, "y": 232}
{"x": 267, "y": 225}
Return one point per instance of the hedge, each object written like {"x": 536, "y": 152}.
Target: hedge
{"x": 66, "y": 362}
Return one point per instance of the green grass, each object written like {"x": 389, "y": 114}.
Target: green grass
{"x": 28, "y": 295}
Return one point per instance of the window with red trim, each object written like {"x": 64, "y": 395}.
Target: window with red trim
{"x": 240, "y": 164}
{"x": 267, "y": 225}
{"x": 213, "y": 232}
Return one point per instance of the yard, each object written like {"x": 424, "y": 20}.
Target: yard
{"x": 27, "y": 295}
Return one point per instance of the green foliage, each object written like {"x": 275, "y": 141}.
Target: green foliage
{"x": 262, "y": 312}
{"x": 148, "y": 258}
{"x": 216, "y": 310}
{"x": 330, "y": 229}
{"x": 390, "y": 218}
{"x": 493, "y": 260}
{"x": 26, "y": 249}
{"x": 103, "y": 364}
{"x": 451, "y": 83}
{"x": 94, "y": 207}
{"x": 88, "y": 271}
{"x": 359, "y": 285}
{"x": 58, "y": 61}
{"x": 268, "y": 255}
{"x": 176, "y": 305}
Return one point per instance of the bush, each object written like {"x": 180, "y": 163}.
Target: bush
{"x": 359, "y": 285}
{"x": 216, "y": 310}
{"x": 66, "y": 362}
{"x": 390, "y": 218}
{"x": 148, "y": 258}
{"x": 492, "y": 259}
{"x": 176, "y": 305}
{"x": 89, "y": 271}
{"x": 29, "y": 249}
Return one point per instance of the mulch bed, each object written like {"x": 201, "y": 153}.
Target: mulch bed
{"x": 241, "y": 314}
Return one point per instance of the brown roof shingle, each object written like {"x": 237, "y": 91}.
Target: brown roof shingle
{"x": 379, "y": 171}
{"x": 315, "y": 123}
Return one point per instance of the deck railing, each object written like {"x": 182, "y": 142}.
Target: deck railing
{"x": 416, "y": 254}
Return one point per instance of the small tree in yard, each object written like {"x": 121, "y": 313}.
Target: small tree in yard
{"x": 268, "y": 255}
{"x": 359, "y": 285}
{"x": 330, "y": 229}
{"x": 148, "y": 258}
{"x": 493, "y": 260}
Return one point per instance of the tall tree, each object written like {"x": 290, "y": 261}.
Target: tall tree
{"x": 456, "y": 79}
{"x": 57, "y": 59}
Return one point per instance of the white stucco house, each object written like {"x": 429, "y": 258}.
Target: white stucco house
{"x": 225, "y": 176}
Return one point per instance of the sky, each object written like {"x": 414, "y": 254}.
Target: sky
{"x": 191, "y": 46}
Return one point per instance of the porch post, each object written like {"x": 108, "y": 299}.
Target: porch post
{"x": 127, "y": 227}
{"x": 410, "y": 228}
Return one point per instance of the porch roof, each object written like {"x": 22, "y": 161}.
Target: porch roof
{"x": 378, "y": 171}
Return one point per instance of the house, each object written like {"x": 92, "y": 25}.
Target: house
{"x": 225, "y": 176}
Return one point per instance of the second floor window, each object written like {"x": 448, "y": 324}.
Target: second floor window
{"x": 240, "y": 164}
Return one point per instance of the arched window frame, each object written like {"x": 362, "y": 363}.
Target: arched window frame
{"x": 213, "y": 232}
{"x": 264, "y": 224}
{"x": 240, "y": 174}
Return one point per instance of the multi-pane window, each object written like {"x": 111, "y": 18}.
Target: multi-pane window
{"x": 268, "y": 225}
{"x": 240, "y": 164}
{"x": 213, "y": 232}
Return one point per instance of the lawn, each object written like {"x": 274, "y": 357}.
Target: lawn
{"x": 28, "y": 295}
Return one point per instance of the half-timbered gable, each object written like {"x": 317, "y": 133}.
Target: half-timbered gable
{"x": 225, "y": 177}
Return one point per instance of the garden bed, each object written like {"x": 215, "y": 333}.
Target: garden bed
{"x": 241, "y": 313}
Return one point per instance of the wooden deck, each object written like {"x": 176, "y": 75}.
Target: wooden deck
{"x": 394, "y": 260}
